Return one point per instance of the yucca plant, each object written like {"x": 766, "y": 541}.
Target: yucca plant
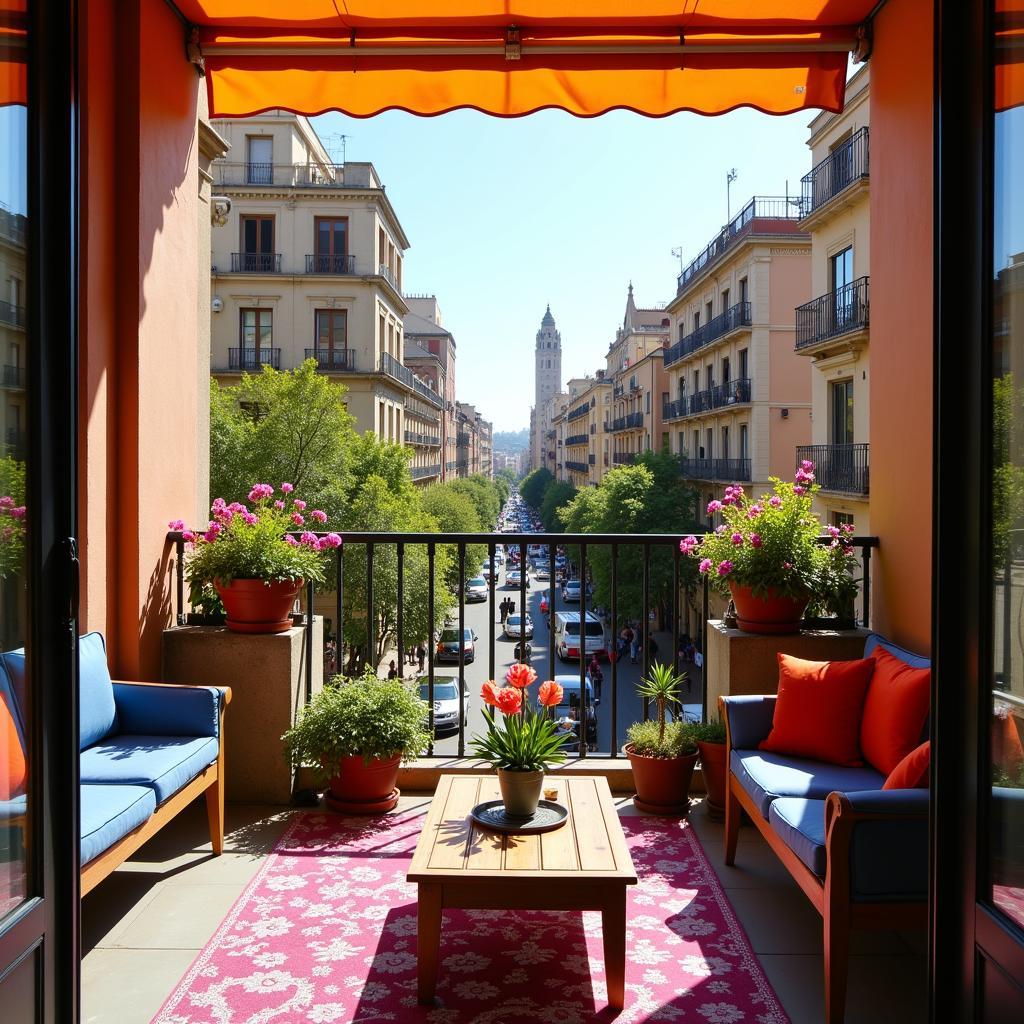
{"x": 662, "y": 685}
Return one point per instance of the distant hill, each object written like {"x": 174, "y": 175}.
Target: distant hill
{"x": 511, "y": 440}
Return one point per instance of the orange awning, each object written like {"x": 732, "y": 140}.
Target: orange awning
{"x": 12, "y": 52}
{"x": 515, "y": 57}
{"x": 1009, "y": 54}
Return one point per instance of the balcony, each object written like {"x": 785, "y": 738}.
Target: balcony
{"x": 308, "y": 175}
{"x": 338, "y": 264}
{"x": 333, "y": 360}
{"x": 425, "y": 440}
{"x": 763, "y": 215}
{"x": 724, "y": 470}
{"x": 15, "y": 440}
{"x": 720, "y": 396}
{"x": 253, "y": 358}
{"x": 580, "y": 410}
{"x": 577, "y": 467}
{"x": 577, "y": 439}
{"x": 839, "y": 468}
{"x": 13, "y": 316}
{"x": 732, "y": 319}
{"x": 396, "y": 371}
{"x": 255, "y": 263}
{"x": 13, "y": 376}
{"x": 847, "y": 165}
{"x": 837, "y": 316}
{"x": 425, "y": 472}
{"x": 624, "y": 458}
{"x": 631, "y": 421}
{"x": 385, "y": 271}
{"x": 462, "y": 440}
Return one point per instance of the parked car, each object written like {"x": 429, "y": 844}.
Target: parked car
{"x": 488, "y": 571}
{"x": 568, "y": 713}
{"x": 514, "y": 626}
{"x": 514, "y": 578}
{"x": 476, "y": 589}
{"x": 446, "y": 701}
{"x": 541, "y": 571}
{"x": 571, "y": 590}
{"x": 448, "y": 645}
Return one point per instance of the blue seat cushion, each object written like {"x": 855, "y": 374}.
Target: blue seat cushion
{"x": 766, "y": 776}
{"x": 13, "y": 808}
{"x": 109, "y": 813}
{"x": 163, "y": 763}
{"x": 801, "y": 825}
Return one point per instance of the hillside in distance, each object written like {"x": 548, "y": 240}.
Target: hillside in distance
{"x": 511, "y": 440}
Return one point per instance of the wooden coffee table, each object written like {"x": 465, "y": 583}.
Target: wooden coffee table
{"x": 584, "y": 865}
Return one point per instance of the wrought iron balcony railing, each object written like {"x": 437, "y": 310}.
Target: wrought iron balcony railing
{"x": 427, "y": 440}
{"x": 841, "y": 468}
{"x": 462, "y": 440}
{"x": 308, "y": 175}
{"x": 628, "y": 422}
{"x": 580, "y": 410}
{"x": 256, "y": 263}
{"x": 834, "y": 314}
{"x": 624, "y": 458}
{"x": 337, "y": 359}
{"x": 725, "y": 470}
{"x": 732, "y": 319}
{"x": 253, "y": 358}
{"x": 11, "y": 314}
{"x": 15, "y": 440}
{"x": 385, "y": 271}
{"x": 732, "y": 392}
{"x": 578, "y": 439}
{"x": 13, "y": 376}
{"x": 332, "y": 263}
{"x": 845, "y": 165}
{"x": 577, "y": 467}
{"x": 425, "y": 472}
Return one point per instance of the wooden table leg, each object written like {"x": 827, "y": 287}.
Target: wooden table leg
{"x": 428, "y": 939}
{"x": 613, "y": 928}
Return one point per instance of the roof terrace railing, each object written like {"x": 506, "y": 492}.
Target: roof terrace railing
{"x": 298, "y": 175}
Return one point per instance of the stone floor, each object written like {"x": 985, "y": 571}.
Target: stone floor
{"x": 142, "y": 927}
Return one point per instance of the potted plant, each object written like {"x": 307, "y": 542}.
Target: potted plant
{"x": 356, "y": 733}
{"x": 526, "y": 743}
{"x": 710, "y": 739}
{"x": 662, "y": 754}
{"x": 767, "y": 555}
{"x": 252, "y": 560}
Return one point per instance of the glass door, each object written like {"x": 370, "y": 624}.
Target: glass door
{"x": 332, "y": 340}
{"x": 332, "y": 246}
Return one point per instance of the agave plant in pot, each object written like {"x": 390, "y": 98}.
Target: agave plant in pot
{"x": 662, "y": 754}
{"x": 768, "y": 556}
{"x": 355, "y": 733}
{"x": 526, "y": 742}
{"x": 250, "y": 555}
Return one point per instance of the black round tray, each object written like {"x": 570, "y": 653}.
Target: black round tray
{"x": 548, "y": 816}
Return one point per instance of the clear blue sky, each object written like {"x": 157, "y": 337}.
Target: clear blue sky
{"x": 504, "y": 216}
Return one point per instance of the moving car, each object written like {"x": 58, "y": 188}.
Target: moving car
{"x": 446, "y": 701}
{"x": 476, "y": 589}
{"x": 514, "y": 578}
{"x": 448, "y": 645}
{"x": 571, "y": 590}
{"x": 541, "y": 571}
{"x": 513, "y": 626}
{"x": 569, "y": 712}
{"x": 567, "y": 636}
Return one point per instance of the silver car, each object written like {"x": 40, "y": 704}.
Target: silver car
{"x": 514, "y": 626}
{"x": 476, "y": 589}
{"x": 446, "y": 702}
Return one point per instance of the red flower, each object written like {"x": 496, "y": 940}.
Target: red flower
{"x": 550, "y": 694}
{"x": 489, "y": 693}
{"x": 520, "y": 676}
{"x": 510, "y": 700}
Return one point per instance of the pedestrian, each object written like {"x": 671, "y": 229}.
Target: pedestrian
{"x": 543, "y": 605}
{"x": 596, "y": 678}
{"x": 503, "y": 609}
{"x": 392, "y": 671}
{"x": 421, "y": 655}
{"x": 634, "y": 646}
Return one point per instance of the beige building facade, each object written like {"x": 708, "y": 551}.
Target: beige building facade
{"x": 739, "y": 396}
{"x": 587, "y": 447}
{"x": 833, "y": 328}
{"x": 13, "y": 413}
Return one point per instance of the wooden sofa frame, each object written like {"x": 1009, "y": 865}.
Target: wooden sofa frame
{"x": 210, "y": 781}
{"x": 829, "y": 897}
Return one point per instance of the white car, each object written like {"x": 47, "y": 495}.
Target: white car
{"x": 446, "y": 701}
{"x": 514, "y": 578}
{"x": 542, "y": 572}
{"x": 476, "y": 589}
{"x": 514, "y": 626}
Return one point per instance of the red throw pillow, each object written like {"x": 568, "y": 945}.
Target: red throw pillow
{"x": 817, "y": 714}
{"x": 895, "y": 710}
{"x": 12, "y": 757}
{"x": 912, "y": 771}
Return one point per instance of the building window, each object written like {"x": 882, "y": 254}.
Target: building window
{"x": 841, "y": 398}
{"x": 744, "y": 370}
{"x": 744, "y": 442}
{"x": 725, "y": 370}
{"x": 256, "y": 336}
{"x": 331, "y": 340}
{"x": 696, "y": 321}
{"x": 647, "y": 408}
{"x": 725, "y": 299}
{"x": 382, "y": 246}
{"x": 725, "y": 442}
{"x": 331, "y": 242}
{"x": 708, "y": 312}
{"x": 840, "y": 518}
{"x": 698, "y": 452}
{"x": 257, "y": 244}
{"x": 744, "y": 297}
{"x": 259, "y": 160}
{"x": 709, "y": 439}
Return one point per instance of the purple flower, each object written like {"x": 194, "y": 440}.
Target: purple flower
{"x": 714, "y": 506}
{"x": 847, "y": 527}
{"x": 833, "y": 531}
{"x": 297, "y": 519}
{"x": 279, "y": 505}
{"x": 687, "y": 544}
{"x": 318, "y": 515}
{"x": 290, "y": 540}
{"x": 797, "y": 489}
{"x": 188, "y": 536}
{"x": 705, "y": 565}
{"x": 7, "y": 501}
{"x": 236, "y": 506}
{"x": 309, "y": 539}
{"x": 260, "y": 491}
{"x": 287, "y": 488}
{"x": 174, "y": 524}
{"x": 754, "y": 511}
{"x": 250, "y": 518}
{"x": 737, "y": 538}
{"x": 775, "y": 501}
{"x": 18, "y": 513}
{"x": 332, "y": 540}
{"x": 720, "y": 529}
{"x": 299, "y": 504}
{"x": 724, "y": 568}
{"x": 755, "y": 540}
{"x": 807, "y": 466}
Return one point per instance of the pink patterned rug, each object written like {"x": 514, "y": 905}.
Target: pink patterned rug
{"x": 326, "y": 932}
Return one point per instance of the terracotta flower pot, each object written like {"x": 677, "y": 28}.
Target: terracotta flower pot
{"x": 255, "y": 606}
{"x": 362, "y": 787}
{"x": 520, "y": 791}
{"x": 662, "y": 783}
{"x": 712, "y": 763}
{"x": 769, "y": 613}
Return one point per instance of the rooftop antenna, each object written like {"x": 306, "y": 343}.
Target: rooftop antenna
{"x": 335, "y": 145}
{"x": 678, "y": 253}
{"x": 730, "y": 177}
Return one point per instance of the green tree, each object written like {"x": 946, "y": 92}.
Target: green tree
{"x": 556, "y": 497}
{"x": 12, "y": 517}
{"x": 454, "y": 512}
{"x": 484, "y": 496}
{"x": 534, "y": 486}
{"x": 1007, "y": 471}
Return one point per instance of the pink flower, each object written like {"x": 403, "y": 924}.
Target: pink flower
{"x": 754, "y": 511}
{"x": 7, "y": 533}
{"x": 297, "y": 519}
{"x": 236, "y": 507}
{"x": 299, "y": 504}
{"x": 332, "y": 540}
{"x": 833, "y": 531}
{"x": 721, "y": 529}
{"x": 260, "y": 491}
{"x": 212, "y": 534}
{"x": 724, "y": 568}
{"x": 279, "y": 505}
{"x": 705, "y": 565}
{"x": 174, "y": 524}
{"x": 250, "y": 518}
{"x": 787, "y": 565}
{"x": 287, "y": 488}
{"x": 737, "y": 538}
{"x": 775, "y": 501}
{"x": 318, "y": 515}
{"x": 188, "y": 536}
{"x": 18, "y": 513}
{"x": 688, "y": 545}
{"x": 807, "y": 466}
{"x": 797, "y": 489}
{"x": 714, "y": 506}
{"x": 755, "y": 540}
{"x": 309, "y": 539}
{"x": 7, "y": 501}
{"x": 290, "y": 540}
{"x": 847, "y": 527}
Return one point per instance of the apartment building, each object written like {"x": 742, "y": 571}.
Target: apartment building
{"x": 635, "y": 363}
{"x": 485, "y": 435}
{"x": 739, "y": 395}
{"x": 474, "y": 434}
{"x": 833, "y": 328}
{"x": 13, "y": 232}
{"x": 307, "y": 264}
{"x": 585, "y": 422}
{"x": 546, "y": 431}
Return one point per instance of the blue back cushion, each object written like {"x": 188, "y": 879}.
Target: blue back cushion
{"x": 97, "y": 713}
{"x": 877, "y": 640}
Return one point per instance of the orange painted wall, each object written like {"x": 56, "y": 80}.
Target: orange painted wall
{"x": 901, "y": 320}
{"x": 139, "y": 401}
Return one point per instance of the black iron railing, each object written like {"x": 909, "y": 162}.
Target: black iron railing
{"x": 628, "y": 422}
{"x": 833, "y": 314}
{"x": 580, "y": 410}
{"x": 11, "y": 314}
{"x": 333, "y": 358}
{"x": 14, "y": 376}
{"x": 253, "y": 358}
{"x": 577, "y": 467}
{"x": 429, "y": 440}
{"x": 732, "y": 319}
{"x": 578, "y": 439}
{"x": 725, "y": 470}
{"x": 332, "y": 263}
{"x": 842, "y": 468}
{"x": 15, "y": 440}
{"x": 462, "y": 440}
{"x": 845, "y": 165}
{"x": 256, "y": 263}
{"x": 424, "y": 472}
{"x": 394, "y": 369}
{"x": 624, "y": 458}
{"x": 732, "y": 392}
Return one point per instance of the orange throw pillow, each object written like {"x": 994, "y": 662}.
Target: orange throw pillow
{"x": 912, "y": 771}
{"x": 895, "y": 710}
{"x": 1007, "y": 752}
{"x": 12, "y": 757}
{"x": 817, "y": 714}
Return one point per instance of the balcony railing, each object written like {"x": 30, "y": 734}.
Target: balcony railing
{"x": 394, "y": 369}
{"x": 732, "y": 319}
{"x": 253, "y": 358}
{"x": 732, "y": 392}
{"x": 308, "y": 175}
{"x": 385, "y": 271}
{"x": 428, "y": 440}
{"x": 256, "y": 263}
{"x": 577, "y": 467}
{"x": 628, "y": 422}
{"x": 580, "y": 410}
{"x": 11, "y": 314}
{"x": 762, "y": 215}
{"x": 424, "y": 472}
{"x": 15, "y": 440}
{"x": 13, "y": 376}
{"x": 578, "y": 439}
{"x": 331, "y": 263}
{"x": 726, "y": 470}
{"x": 624, "y": 458}
{"x": 845, "y": 165}
{"x": 333, "y": 359}
{"x": 831, "y": 315}
{"x": 841, "y": 468}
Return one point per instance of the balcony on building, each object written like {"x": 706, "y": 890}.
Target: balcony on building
{"x": 837, "y": 319}
{"x": 839, "y": 468}
{"x": 13, "y": 377}
{"x": 735, "y": 318}
{"x": 425, "y": 472}
{"x": 14, "y": 440}
{"x": 255, "y": 263}
{"x": 333, "y": 360}
{"x": 253, "y": 359}
{"x": 12, "y": 315}
{"x": 719, "y": 396}
{"x": 577, "y": 467}
{"x": 340, "y": 264}
{"x": 424, "y": 440}
{"x": 631, "y": 421}
{"x": 580, "y": 410}
{"x": 390, "y": 366}
{"x": 577, "y": 439}
{"x": 763, "y": 215}
{"x": 719, "y": 470}
{"x": 624, "y": 458}
{"x": 311, "y": 174}
{"x": 836, "y": 182}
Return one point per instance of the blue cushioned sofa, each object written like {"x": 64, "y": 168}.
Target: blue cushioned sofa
{"x": 147, "y": 751}
{"x": 859, "y": 853}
